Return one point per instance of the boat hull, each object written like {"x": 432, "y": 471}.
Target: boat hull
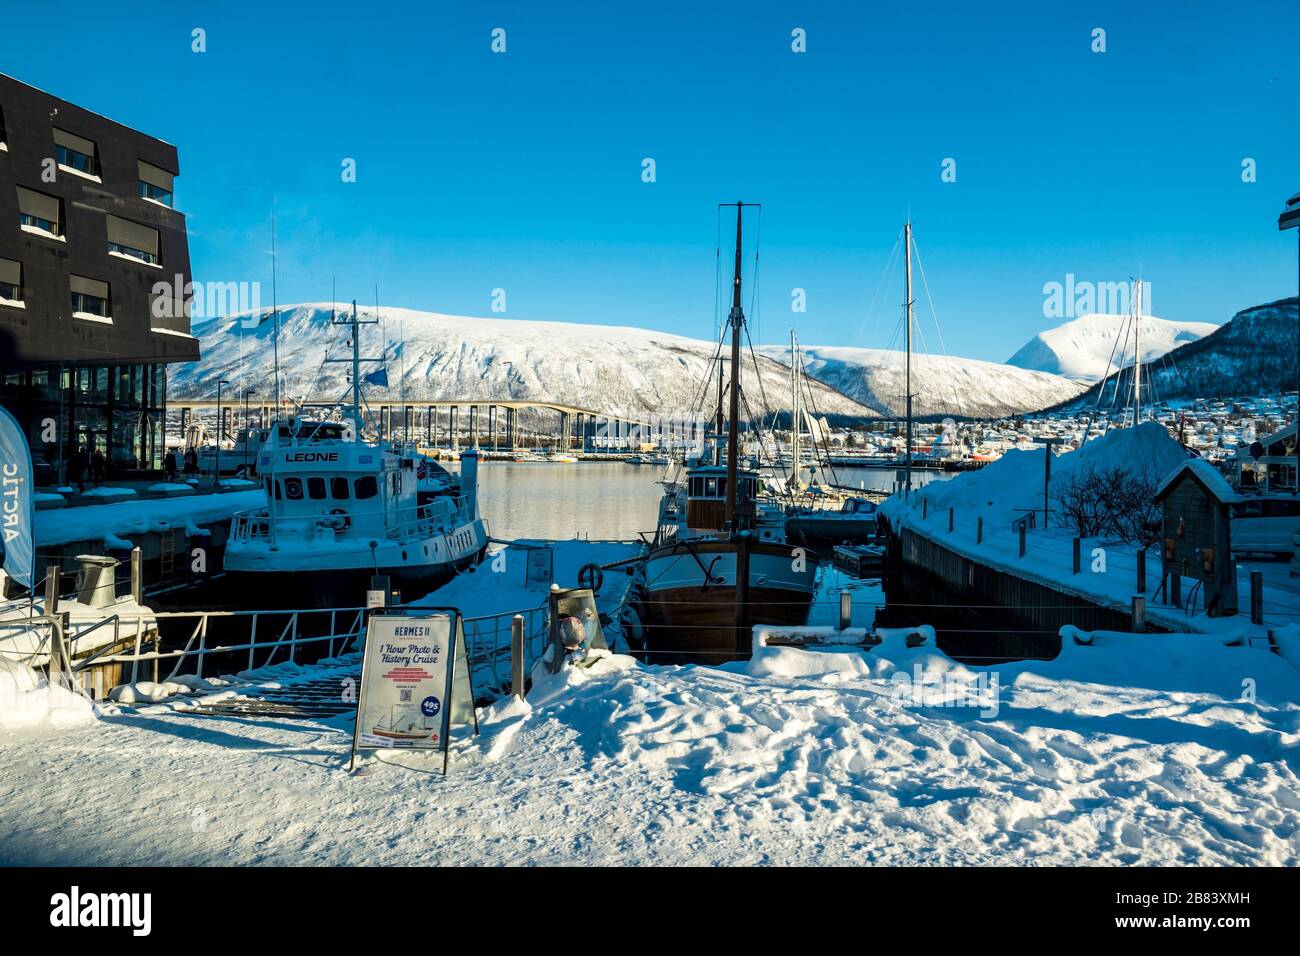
{"x": 691, "y": 619}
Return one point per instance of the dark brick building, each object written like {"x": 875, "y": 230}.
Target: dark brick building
{"x": 94, "y": 263}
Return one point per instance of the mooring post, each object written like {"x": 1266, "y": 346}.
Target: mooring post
{"x": 1176, "y": 589}
{"x": 1142, "y": 571}
{"x": 950, "y": 518}
{"x": 1256, "y": 597}
{"x": 137, "y": 575}
{"x": 53, "y": 574}
{"x": 1022, "y": 539}
{"x": 846, "y": 610}
{"x": 1076, "y": 555}
{"x": 1139, "y": 613}
{"x": 517, "y": 656}
{"x": 979, "y": 530}
{"x": 925, "y": 507}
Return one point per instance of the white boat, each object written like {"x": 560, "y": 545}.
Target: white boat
{"x": 341, "y": 509}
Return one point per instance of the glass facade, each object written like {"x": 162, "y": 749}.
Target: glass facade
{"x": 117, "y": 410}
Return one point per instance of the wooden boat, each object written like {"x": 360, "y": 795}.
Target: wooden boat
{"x": 720, "y": 562}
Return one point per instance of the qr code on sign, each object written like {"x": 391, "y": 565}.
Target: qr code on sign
{"x": 406, "y": 695}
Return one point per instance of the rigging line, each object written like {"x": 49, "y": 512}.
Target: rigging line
{"x": 935, "y": 317}
{"x": 1101, "y": 392}
{"x": 886, "y": 278}
{"x": 812, "y": 402}
{"x": 762, "y": 393}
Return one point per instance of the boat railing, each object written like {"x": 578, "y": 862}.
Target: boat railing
{"x": 400, "y": 524}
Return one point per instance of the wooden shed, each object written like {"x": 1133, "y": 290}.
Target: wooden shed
{"x": 1196, "y": 541}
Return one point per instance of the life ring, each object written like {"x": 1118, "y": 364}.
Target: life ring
{"x": 591, "y": 576}
{"x": 341, "y": 520}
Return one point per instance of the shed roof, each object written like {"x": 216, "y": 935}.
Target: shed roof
{"x": 1204, "y": 474}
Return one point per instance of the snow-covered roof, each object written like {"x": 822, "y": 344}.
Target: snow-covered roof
{"x": 1205, "y": 473}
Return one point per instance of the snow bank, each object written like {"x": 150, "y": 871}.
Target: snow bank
{"x": 28, "y": 702}
{"x": 1009, "y": 487}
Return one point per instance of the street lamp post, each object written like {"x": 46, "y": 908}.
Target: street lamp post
{"x": 1290, "y": 219}
{"x": 216, "y": 471}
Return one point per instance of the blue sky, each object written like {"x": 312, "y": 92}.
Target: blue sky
{"x": 522, "y": 170}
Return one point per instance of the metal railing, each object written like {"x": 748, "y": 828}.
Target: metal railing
{"x": 487, "y": 638}
{"x": 419, "y": 521}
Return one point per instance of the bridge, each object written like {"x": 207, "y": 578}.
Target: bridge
{"x": 493, "y": 424}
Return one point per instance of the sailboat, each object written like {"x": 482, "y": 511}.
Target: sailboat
{"x": 720, "y": 563}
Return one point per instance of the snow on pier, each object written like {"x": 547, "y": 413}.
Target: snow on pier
{"x": 1109, "y": 755}
{"x": 986, "y": 504}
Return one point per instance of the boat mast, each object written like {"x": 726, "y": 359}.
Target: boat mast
{"x": 1137, "y": 354}
{"x": 795, "y": 418}
{"x": 737, "y": 320}
{"x": 907, "y": 375}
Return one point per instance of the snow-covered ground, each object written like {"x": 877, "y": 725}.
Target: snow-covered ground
{"x": 1131, "y": 751}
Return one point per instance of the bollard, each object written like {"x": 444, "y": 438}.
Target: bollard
{"x": 1176, "y": 589}
{"x": 925, "y": 507}
{"x": 979, "y": 530}
{"x": 1139, "y": 613}
{"x": 137, "y": 576}
{"x": 1256, "y": 597}
{"x": 1142, "y": 571}
{"x": 846, "y": 610}
{"x": 950, "y": 519}
{"x": 517, "y": 656}
{"x": 1077, "y": 560}
{"x": 1022, "y": 539}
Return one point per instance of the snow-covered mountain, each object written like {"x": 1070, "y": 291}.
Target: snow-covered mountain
{"x": 1081, "y": 348}
{"x": 1252, "y": 354}
{"x": 941, "y": 385}
{"x": 610, "y": 369}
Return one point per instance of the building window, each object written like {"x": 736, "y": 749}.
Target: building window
{"x": 130, "y": 239}
{"x": 11, "y": 282}
{"x": 40, "y": 213}
{"x": 155, "y": 184}
{"x": 3, "y": 140}
{"x": 76, "y": 153}
{"x": 89, "y": 298}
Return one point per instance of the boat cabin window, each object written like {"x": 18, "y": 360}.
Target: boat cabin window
{"x": 293, "y": 489}
{"x": 339, "y": 488}
{"x": 315, "y": 488}
{"x": 367, "y": 487}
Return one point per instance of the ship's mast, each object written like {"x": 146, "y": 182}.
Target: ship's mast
{"x": 907, "y": 375}
{"x": 1137, "y": 353}
{"x": 795, "y": 417}
{"x": 737, "y": 320}
{"x": 354, "y": 327}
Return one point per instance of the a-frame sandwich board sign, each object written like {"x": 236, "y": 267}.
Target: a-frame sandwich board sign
{"x": 415, "y": 682}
